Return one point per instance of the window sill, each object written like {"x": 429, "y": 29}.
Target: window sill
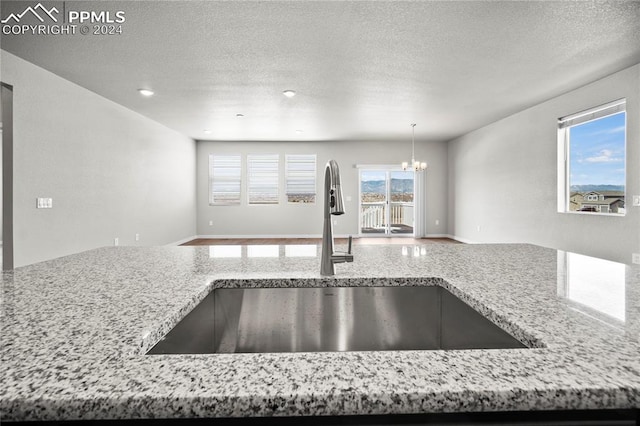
{"x": 595, "y": 214}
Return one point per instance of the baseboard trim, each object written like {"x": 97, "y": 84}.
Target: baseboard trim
{"x": 256, "y": 237}
{"x": 463, "y": 240}
{"x": 182, "y": 241}
{"x": 294, "y": 236}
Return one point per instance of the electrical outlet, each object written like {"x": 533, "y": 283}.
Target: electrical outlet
{"x": 437, "y": 222}
{"x": 44, "y": 203}
{"x": 636, "y": 201}
{"x": 635, "y": 258}
{"x": 116, "y": 241}
{"x": 479, "y": 228}
{"x": 137, "y": 237}
{"x": 348, "y": 198}
{"x": 210, "y": 223}
{"x": 335, "y": 222}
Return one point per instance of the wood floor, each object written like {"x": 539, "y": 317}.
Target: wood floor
{"x": 368, "y": 241}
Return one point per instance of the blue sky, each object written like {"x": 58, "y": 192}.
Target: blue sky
{"x": 597, "y": 150}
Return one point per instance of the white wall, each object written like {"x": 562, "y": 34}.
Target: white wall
{"x": 1, "y": 228}
{"x": 300, "y": 220}
{"x": 503, "y": 178}
{"x": 110, "y": 171}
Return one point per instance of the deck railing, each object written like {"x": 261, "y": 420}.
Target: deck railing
{"x": 372, "y": 215}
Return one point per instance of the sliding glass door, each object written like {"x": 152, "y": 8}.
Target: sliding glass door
{"x": 386, "y": 202}
{"x": 374, "y": 193}
{"x": 401, "y": 190}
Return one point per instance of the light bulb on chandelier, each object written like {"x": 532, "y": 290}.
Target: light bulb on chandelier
{"x": 415, "y": 165}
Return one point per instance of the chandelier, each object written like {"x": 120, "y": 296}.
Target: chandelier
{"x": 415, "y": 165}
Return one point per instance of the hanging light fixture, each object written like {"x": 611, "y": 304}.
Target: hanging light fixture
{"x": 415, "y": 165}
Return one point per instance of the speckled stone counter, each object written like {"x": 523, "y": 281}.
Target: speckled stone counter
{"x": 75, "y": 329}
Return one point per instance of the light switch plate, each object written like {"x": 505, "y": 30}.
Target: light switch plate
{"x": 636, "y": 201}
{"x": 635, "y": 258}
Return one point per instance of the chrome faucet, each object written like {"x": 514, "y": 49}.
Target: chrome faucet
{"x": 333, "y": 204}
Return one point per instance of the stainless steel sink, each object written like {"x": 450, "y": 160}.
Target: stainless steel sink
{"x": 332, "y": 319}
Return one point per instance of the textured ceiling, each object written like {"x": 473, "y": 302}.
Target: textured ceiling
{"x": 362, "y": 70}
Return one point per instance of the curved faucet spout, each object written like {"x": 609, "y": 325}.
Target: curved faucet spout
{"x": 333, "y": 204}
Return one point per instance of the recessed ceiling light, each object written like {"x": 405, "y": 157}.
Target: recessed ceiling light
{"x": 239, "y": 115}
{"x": 299, "y": 131}
{"x": 289, "y": 93}
{"x": 207, "y": 131}
{"x": 146, "y": 92}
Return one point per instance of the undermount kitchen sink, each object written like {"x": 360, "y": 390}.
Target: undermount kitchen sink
{"x": 258, "y": 320}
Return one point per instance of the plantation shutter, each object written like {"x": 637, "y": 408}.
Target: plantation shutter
{"x": 262, "y": 178}
{"x": 301, "y": 178}
{"x": 224, "y": 179}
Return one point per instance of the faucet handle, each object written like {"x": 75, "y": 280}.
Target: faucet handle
{"x": 350, "y": 241}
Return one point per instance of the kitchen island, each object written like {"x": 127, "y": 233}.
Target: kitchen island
{"x": 75, "y": 331}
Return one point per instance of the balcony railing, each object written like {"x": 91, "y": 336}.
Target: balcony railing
{"x": 373, "y": 215}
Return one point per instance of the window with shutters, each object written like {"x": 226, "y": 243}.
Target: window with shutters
{"x": 262, "y": 178}
{"x": 592, "y": 160}
{"x": 225, "y": 173}
{"x": 300, "y": 178}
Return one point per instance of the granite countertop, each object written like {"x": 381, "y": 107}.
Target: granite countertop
{"x": 75, "y": 329}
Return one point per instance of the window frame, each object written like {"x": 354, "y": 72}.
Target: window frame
{"x": 287, "y": 161}
{"x": 212, "y": 200}
{"x": 276, "y": 196}
{"x": 564, "y": 155}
